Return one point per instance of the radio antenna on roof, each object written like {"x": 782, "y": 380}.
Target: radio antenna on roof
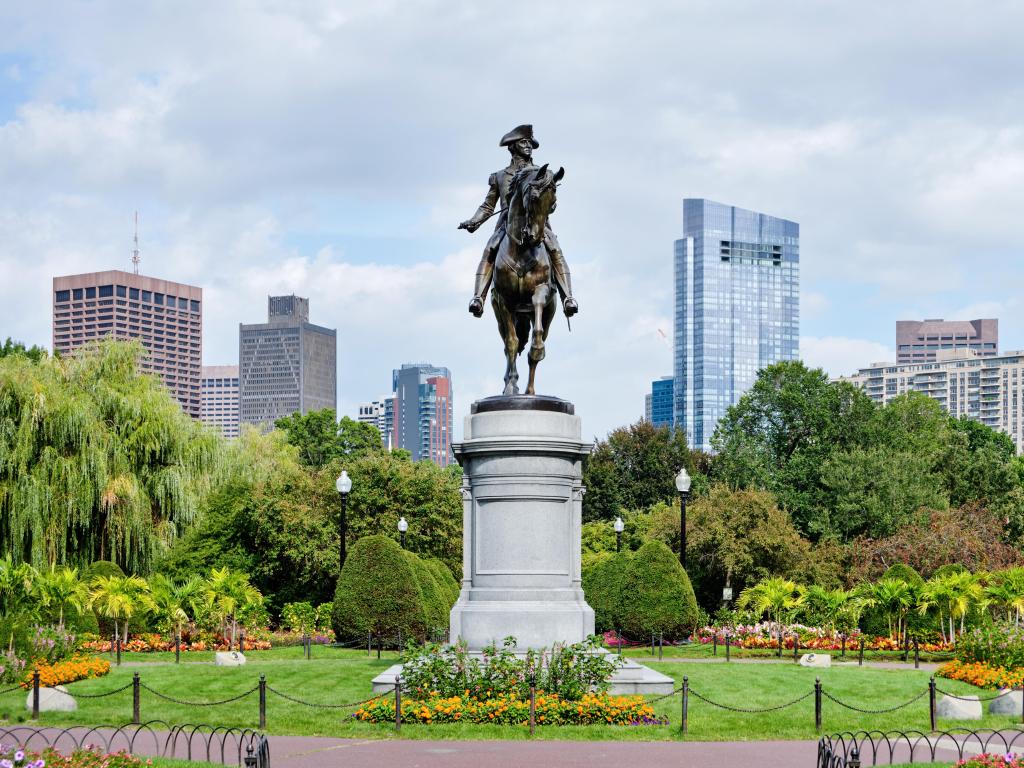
{"x": 135, "y": 251}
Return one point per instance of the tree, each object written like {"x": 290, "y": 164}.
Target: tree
{"x": 228, "y": 594}
{"x": 321, "y": 438}
{"x": 19, "y": 603}
{"x": 953, "y": 594}
{"x": 775, "y": 597}
{"x": 1006, "y": 589}
{"x": 894, "y": 598}
{"x": 603, "y": 581}
{"x": 781, "y": 432}
{"x": 175, "y": 604}
{"x": 62, "y": 590}
{"x": 120, "y": 598}
{"x": 99, "y": 460}
{"x": 635, "y": 468}
{"x": 33, "y": 353}
{"x": 436, "y": 605}
{"x": 377, "y": 593}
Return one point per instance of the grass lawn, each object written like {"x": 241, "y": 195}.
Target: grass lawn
{"x": 707, "y": 651}
{"x": 342, "y": 676}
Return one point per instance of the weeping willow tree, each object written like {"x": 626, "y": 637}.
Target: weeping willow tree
{"x": 97, "y": 461}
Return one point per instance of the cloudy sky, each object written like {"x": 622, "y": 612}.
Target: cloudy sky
{"x": 330, "y": 149}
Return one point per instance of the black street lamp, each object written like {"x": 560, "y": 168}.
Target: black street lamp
{"x": 344, "y": 485}
{"x": 403, "y": 526}
{"x": 683, "y": 486}
{"x": 619, "y": 528}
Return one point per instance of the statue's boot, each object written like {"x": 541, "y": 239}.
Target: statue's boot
{"x": 483, "y": 282}
{"x": 564, "y": 282}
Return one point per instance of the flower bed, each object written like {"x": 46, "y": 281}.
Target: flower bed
{"x": 13, "y": 757}
{"x": 766, "y": 635}
{"x": 511, "y": 709}
{"x": 152, "y": 643}
{"x": 67, "y": 671}
{"x": 1009, "y": 760}
{"x": 982, "y": 675}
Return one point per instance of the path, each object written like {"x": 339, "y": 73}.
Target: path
{"x": 299, "y": 751}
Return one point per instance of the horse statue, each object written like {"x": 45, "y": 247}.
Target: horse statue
{"x": 524, "y": 296}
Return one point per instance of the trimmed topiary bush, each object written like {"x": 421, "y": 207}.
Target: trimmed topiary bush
{"x": 602, "y": 587}
{"x": 378, "y": 593}
{"x": 445, "y": 579}
{"x": 658, "y": 596}
{"x": 905, "y": 573}
{"x": 101, "y": 568}
{"x": 434, "y": 600}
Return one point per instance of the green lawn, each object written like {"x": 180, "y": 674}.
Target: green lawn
{"x": 341, "y": 676}
{"x": 707, "y": 651}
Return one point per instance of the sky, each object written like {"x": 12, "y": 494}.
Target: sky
{"x": 330, "y": 149}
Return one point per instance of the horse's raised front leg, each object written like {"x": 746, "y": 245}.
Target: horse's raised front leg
{"x": 540, "y": 300}
{"x": 507, "y": 329}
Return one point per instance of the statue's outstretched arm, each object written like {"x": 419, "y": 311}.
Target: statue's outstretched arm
{"x": 486, "y": 208}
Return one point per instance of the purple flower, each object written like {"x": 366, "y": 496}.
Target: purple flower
{"x": 19, "y": 756}
{"x": 5, "y": 763}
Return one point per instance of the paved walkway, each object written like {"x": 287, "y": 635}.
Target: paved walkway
{"x": 296, "y": 751}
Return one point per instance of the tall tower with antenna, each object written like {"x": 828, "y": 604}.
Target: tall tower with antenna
{"x": 135, "y": 251}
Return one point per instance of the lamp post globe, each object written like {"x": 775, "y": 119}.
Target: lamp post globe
{"x": 683, "y": 486}
{"x": 344, "y": 486}
{"x": 619, "y": 528}
{"x": 403, "y": 526}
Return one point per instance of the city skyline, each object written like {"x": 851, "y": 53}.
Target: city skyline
{"x": 900, "y": 154}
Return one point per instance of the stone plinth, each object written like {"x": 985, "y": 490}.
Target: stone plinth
{"x": 522, "y": 507}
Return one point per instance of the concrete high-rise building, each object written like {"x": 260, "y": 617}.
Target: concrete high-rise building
{"x": 986, "y": 389}
{"x": 423, "y": 412}
{"x": 918, "y": 341}
{"x": 167, "y": 317}
{"x": 737, "y": 308}
{"x": 658, "y": 404}
{"x": 220, "y": 398}
{"x": 285, "y": 365}
{"x": 380, "y": 414}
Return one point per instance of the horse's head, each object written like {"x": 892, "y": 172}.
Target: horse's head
{"x": 534, "y": 190}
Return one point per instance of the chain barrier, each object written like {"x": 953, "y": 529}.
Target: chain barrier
{"x": 664, "y": 696}
{"x": 833, "y": 699}
{"x": 100, "y": 695}
{"x": 197, "y": 703}
{"x": 973, "y": 698}
{"x": 329, "y": 706}
{"x": 15, "y": 688}
{"x": 751, "y": 711}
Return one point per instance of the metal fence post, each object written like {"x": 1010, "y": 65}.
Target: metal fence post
{"x": 714, "y": 644}
{"x": 843, "y": 654}
{"x": 796, "y": 648}
{"x": 779, "y": 653}
{"x": 263, "y": 701}
{"x": 119, "y": 650}
{"x": 241, "y": 641}
{"x": 917, "y": 655}
{"x": 618, "y": 635}
{"x": 861, "y": 661}
{"x": 685, "y": 725}
{"x": 854, "y": 761}
{"x": 728, "y": 645}
{"x": 177, "y": 647}
{"x": 931, "y": 702}
{"x": 661, "y": 644}
{"x": 369, "y": 643}
{"x": 35, "y": 694}
{"x": 398, "y": 703}
{"x": 817, "y": 704}
{"x": 135, "y": 698}
{"x": 533, "y": 702}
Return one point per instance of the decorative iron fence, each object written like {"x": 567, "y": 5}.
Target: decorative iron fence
{"x": 863, "y": 748}
{"x": 156, "y": 738}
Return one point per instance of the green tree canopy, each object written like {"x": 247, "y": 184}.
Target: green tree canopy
{"x": 635, "y": 468}
{"x": 321, "y": 438}
{"x": 659, "y": 597}
{"x": 97, "y": 461}
{"x": 33, "y": 353}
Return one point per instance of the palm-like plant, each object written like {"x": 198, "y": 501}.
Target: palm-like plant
{"x": 831, "y": 604}
{"x": 174, "y": 604}
{"x": 953, "y": 595}
{"x": 775, "y": 597}
{"x": 19, "y": 598}
{"x": 119, "y": 598}
{"x": 228, "y": 593}
{"x": 895, "y": 597}
{"x": 62, "y": 590}
{"x": 1006, "y": 589}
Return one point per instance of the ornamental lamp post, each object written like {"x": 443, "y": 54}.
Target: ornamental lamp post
{"x": 683, "y": 486}
{"x": 619, "y": 528}
{"x": 403, "y": 526}
{"x": 344, "y": 485}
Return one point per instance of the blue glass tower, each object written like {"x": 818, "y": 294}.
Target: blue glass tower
{"x": 737, "y": 285}
{"x": 661, "y": 402}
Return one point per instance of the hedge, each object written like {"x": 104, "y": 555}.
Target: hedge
{"x": 432, "y": 595}
{"x": 602, "y": 586}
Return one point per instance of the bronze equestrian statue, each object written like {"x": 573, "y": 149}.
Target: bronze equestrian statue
{"x": 530, "y": 264}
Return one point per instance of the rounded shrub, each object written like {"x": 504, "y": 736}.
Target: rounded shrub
{"x": 432, "y": 595}
{"x": 101, "y": 568}
{"x": 378, "y": 593}
{"x": 445, "y": 579}
{"x": 658, "y": 596}
{"x": 948, "y": 569}
{"x": 602, "y": 587}
{"x": 903, "y": 572}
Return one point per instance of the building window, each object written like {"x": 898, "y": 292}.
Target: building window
{"x": 63, "y": 295}
{"x": 106, "y": 290}
{"x": 158, "y": 298}
{"x": 77, "y": 292}
{"x": 90, "y": 293}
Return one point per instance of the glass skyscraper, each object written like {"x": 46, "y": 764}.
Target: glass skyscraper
{"x": 737, "y": 285}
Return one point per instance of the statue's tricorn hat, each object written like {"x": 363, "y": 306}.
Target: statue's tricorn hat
{"x": 517, "y": 133}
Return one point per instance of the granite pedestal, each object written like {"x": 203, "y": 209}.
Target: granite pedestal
{"x": 522, "y": 494}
